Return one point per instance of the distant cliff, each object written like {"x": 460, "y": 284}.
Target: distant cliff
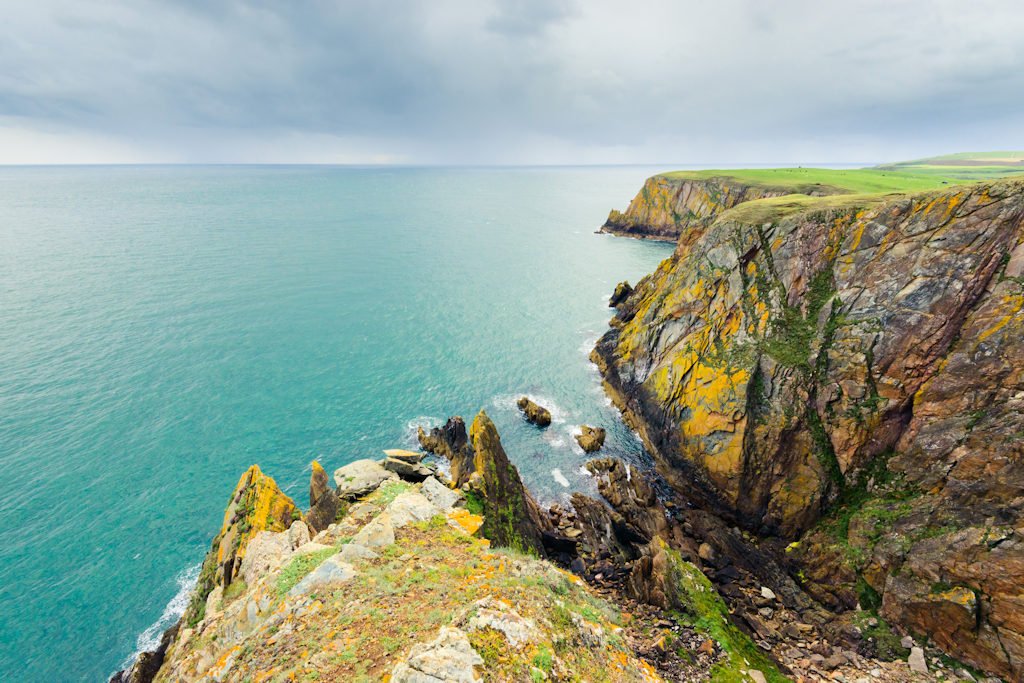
{"x": 668, "y": 207}
{"x": 846, "y": 371}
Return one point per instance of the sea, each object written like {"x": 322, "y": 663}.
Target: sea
{"x": 162, "y": 328}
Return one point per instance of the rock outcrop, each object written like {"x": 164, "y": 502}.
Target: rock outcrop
{"x": 591, "y": 439}
{"x": 534, "y": 413}
{"x": 323, "y": 500}
{"x": 669, "y": 208}
{"x": 434, "y": 604}
{"x": 859, "y": 354}
{"x": 451, "y": 443}
{"x": 619, "y": 296}
{"x": 511, "y": 517}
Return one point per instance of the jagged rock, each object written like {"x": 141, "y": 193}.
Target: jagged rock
{"x": 622, "y": 292}
{"x": 451, "y": 442}
{"x": 331, "y": 572}
{"x": 359, "y": 478}
{"x": 448, "y": 658}
{"x": 323, "y": 501}
{"x": 439, "y": 494}
{"x": 377, "y": 533}
{"x": 145, "y": 668}
{"x": 511, "y": 517}
{"x": 410, "y": 471}
{"x": 534, "y": 413}
{"x": 318, "y": 484}
{"x": 256, "y": 505}
{"x": 591, "y": 439}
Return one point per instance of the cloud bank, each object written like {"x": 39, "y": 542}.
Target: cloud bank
{"x": 511, "y": 81}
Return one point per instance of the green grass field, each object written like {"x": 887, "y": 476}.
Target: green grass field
{"x": 967, "y": 166}
{"x": 903, "y": 176}
{"x": 826, "y": 180}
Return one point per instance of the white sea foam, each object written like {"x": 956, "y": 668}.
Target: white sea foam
{"x": 559, "y": 477}
{"x": 150, "y": 638}
{"x": 426, "y": 421}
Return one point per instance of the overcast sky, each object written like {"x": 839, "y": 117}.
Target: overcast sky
{"x": 508, "y": 82}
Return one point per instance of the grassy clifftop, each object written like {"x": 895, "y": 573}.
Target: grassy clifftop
{"x": 819, "y": 180}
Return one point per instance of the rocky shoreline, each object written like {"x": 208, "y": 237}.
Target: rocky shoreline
{"x": 833, "y": 396}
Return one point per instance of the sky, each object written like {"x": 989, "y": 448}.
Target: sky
{"x": 508, "y": 81}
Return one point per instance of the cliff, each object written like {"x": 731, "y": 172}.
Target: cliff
{"x": 848, "y": 372}
{"x": 669, "y": 207}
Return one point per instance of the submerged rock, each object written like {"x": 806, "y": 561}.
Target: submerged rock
{"x": 534, "y": 413}
{"x": 591, "y": 439}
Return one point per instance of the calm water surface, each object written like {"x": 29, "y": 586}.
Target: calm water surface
{"x": 162, "y": 328}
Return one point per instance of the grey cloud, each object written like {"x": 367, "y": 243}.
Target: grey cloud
{"x": 520, "y": 80}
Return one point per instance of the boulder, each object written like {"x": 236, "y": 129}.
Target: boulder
{"x": 331, "y": 572}
{"x": 351, "y": 552}
{"x": 377, "y": 533}
{"x": 591, "y": 439}
{"x": 449, "y": 658}
{"x": 298, "y": 534}
{"x": 411, "y": 457}
{"x": 360, "y": 478}
{"x": 409, "y": 507}
{"x": 534, "y": 413}
{"x": 410, "y": 471}
{"x": 439, "y": 494}
{"x": 622, "y": 292}
{"x": 267, "y": 550}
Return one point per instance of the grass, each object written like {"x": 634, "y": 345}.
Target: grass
{"x": 709, "y": 614}
{"x": 823, "y": 180}
{"x": 761, "y": 211}
{"x": 299, "y": 567}
{"x": 970, "y": 166}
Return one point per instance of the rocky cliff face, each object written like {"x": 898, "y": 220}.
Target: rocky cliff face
{"x": 859, "y": 359}
{"x": 668, "y": 208}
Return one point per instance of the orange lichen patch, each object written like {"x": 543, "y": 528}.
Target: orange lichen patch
{"x": 464, "y": 520}
{"x": 257, "y": 505}
{"x": 224, "y": 663}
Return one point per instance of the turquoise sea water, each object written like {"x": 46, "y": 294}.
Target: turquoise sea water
{"x": 162, "y": 328}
